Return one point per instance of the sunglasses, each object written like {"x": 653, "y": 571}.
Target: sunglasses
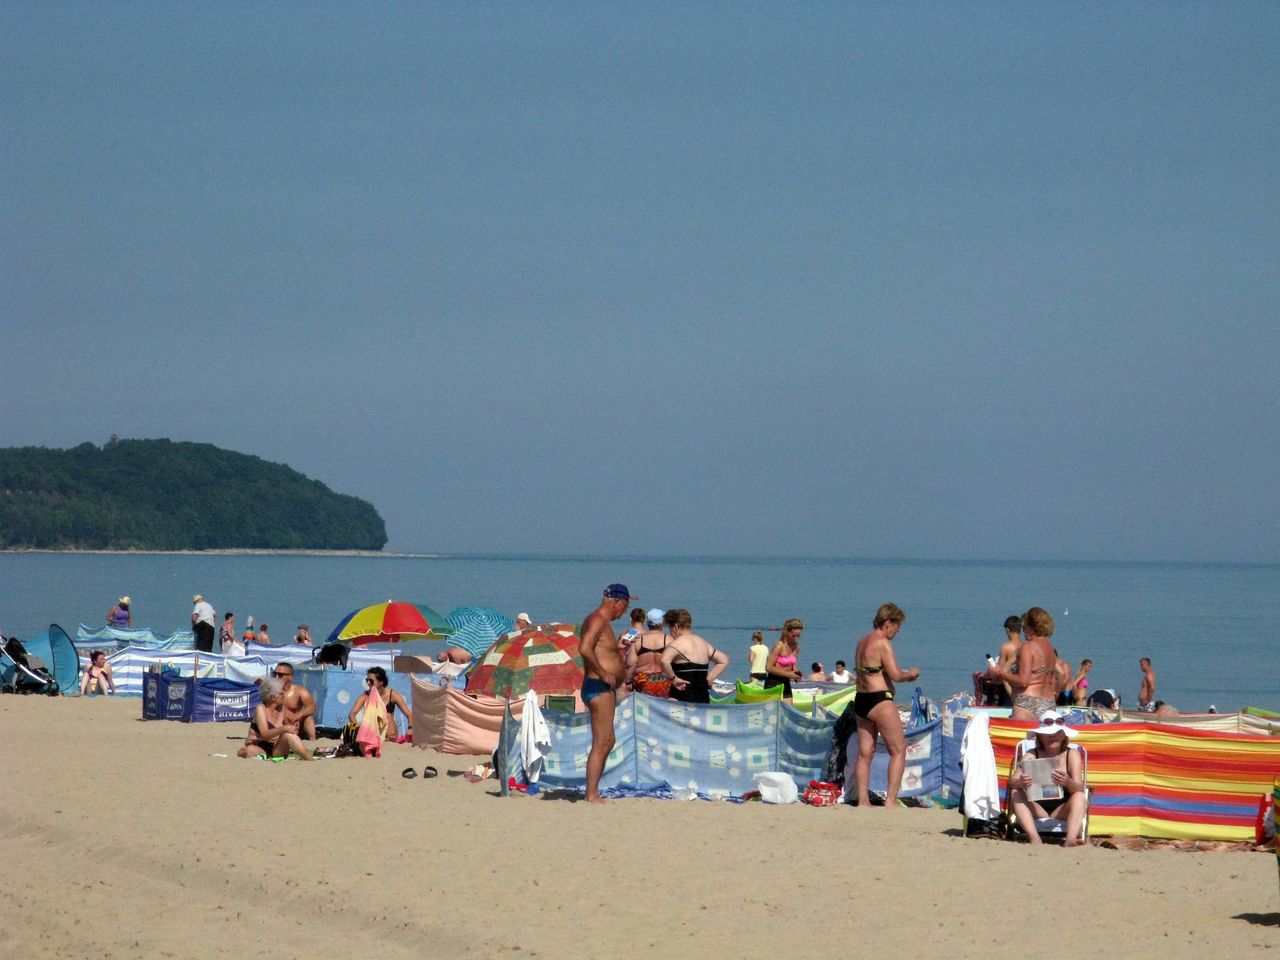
{"x": 1055, "y": 722}
{"x": 278, "y": 673}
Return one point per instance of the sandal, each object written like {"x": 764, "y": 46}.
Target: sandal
{"x": 408, "y": 773}
{"x": 429, "y": 772}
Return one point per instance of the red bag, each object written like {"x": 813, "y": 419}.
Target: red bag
{"x": 821, "y": 794}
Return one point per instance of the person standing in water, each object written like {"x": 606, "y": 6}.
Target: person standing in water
{"x": 1147, "y": 692}
{"x": 120, "y": 616}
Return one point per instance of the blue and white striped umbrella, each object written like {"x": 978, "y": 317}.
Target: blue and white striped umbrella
{"x": 476, "y": 629}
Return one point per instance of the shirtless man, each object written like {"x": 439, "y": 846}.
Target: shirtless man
{"x": 299, "y": 704}
{"x": 1147, "y": 692}
{"x": 1037, "y": 680}
{"x": 1009, "y": 654}
{"x": 453, "y": 654}
{"x": 603, "y": 675}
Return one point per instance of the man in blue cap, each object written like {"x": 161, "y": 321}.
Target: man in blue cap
{"x": 603, "y": 675}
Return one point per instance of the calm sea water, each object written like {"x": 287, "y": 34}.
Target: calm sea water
{"x": 1210, "y": 629}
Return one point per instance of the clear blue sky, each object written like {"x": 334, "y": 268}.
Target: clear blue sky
{"x": 935, "y": 280}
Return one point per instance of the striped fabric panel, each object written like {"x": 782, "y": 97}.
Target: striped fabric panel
{"x": 1275, "y": 817}
{"x": 130, "y": 665}
{"x": 1154, "y": 780}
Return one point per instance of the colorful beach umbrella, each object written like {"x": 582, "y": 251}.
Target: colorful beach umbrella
{"x": 476, "y": 629}
{"x": 389, "y": 622}
{"x": 544, "y": 659}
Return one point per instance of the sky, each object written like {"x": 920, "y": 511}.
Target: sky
{"x": 835, "y": 280}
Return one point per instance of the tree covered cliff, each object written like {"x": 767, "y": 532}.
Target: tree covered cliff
{"x": 162, "y": 495}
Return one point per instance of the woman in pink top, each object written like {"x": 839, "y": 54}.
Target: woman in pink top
{"x": 781, "y": 665}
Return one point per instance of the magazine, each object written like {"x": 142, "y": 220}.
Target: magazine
{"x": 1042, "y": 786}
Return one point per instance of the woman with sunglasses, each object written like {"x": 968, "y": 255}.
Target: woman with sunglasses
{"x": 270, "y": 733}
{"x": 783, "y": 664}
{"x": 375, "y": 681}
{"x": 877, "y": 671}
{"x": 1052, "y": 743}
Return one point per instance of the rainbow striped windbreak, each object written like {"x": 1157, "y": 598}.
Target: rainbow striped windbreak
{"x": 1154, "y": 780}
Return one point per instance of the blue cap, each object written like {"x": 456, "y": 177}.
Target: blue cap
{"x": 618, "y": 591}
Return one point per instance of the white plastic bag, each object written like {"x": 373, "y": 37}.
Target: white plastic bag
{"x": 777, "y": 787}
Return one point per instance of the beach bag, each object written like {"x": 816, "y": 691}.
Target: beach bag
{"x": 819, "y": 793}
{"x": 350, "y": 745}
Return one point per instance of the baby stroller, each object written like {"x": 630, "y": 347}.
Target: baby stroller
{"x": 22, "y": 672}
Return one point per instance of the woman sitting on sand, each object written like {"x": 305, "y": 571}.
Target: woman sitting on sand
{"x": 1051, "y": 744}
{"x": 691, "y": 662}
{"x": 1035, "y": 682}
{"x": 269, "y": 735}
{"x": 877, "y": 671}
{"x": 644, "y": 658}
{"x": 97, "y": 677}
{"x": 783, "y": 664}
{"x": 376, "y": 680}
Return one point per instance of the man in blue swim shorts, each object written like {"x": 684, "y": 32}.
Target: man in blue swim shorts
{"x": 604, "y": 671}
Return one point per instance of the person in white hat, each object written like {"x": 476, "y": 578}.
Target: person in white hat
{"x": 1063, "y": 798}
{"x": 120, "y": 616}
{"x": 202, "y": 623}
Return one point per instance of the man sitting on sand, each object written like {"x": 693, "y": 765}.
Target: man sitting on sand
{"x": 299, "y": 704}
{"x": 601, "y": 678}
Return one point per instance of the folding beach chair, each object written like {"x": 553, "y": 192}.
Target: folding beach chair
{"x": 1049, "y": 829}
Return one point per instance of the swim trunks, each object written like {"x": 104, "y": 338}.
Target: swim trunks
{"x": 864, "y": 703}
{"x": 592, "y": 688}
{"x": 1033, "y": 705}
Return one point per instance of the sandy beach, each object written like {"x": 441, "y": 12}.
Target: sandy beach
{"x": 132, "y": 839}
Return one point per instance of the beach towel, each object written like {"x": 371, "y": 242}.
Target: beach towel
{"x": 535, "y": 738}
{"x": 373, "y": 725}
{"x": 978, "y": 760}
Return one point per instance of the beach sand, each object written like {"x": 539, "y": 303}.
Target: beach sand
{"x": 131, "y": 839}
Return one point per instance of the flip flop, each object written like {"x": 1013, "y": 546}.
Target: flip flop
{"x": 430, "y": 772}
{"x": 408, "y": 773}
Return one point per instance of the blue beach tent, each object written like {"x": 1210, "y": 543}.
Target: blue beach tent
{"x": 57, "y": 651}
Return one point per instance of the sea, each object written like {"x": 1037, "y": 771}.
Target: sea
{"x": 1209, "y": 629}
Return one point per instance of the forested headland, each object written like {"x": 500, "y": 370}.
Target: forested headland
{"x": 166, "y": 495}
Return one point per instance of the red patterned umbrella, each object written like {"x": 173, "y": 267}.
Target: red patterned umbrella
{"x": 544, "y": 658}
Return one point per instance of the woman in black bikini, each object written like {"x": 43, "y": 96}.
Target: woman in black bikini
{"x": 98, "y": 678}
{"x": 691, "y": 662}
{"x": 644, "y": 658}
{"x": 376, "y": 679}
{"x": 269, "y": 735}
{"x": 877, "y": 670}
